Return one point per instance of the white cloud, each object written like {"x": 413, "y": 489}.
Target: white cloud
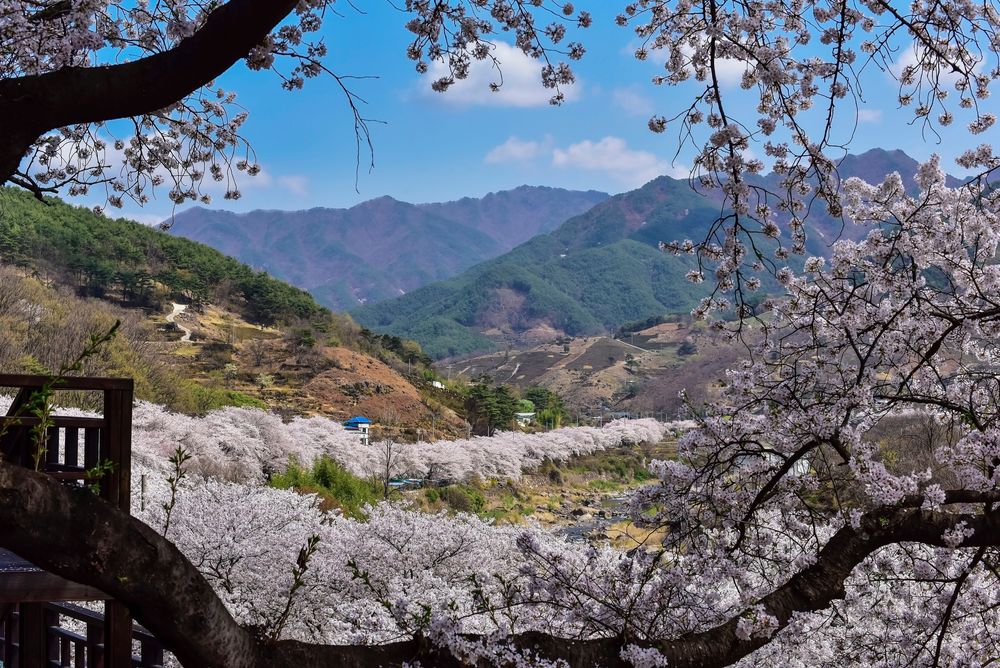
{"x": 518, "y": 150}
{"x": 520, "y": 75}
{"x": 869, "y": 115}
{"x": 632, "y": 102}
{"x": 609, "y": 157}
{"x": 612, "y": 156}
{"x": 295, "y": 184}
{"x": 729, "y": 70}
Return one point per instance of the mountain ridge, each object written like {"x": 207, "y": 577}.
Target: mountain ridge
{"x": 594, "y": 273}
{"x": 383, "y": 247}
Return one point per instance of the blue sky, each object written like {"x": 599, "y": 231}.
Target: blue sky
{"x": 469, "y": 141}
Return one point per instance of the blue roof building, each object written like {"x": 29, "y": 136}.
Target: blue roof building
{"x": 360, "y": 424}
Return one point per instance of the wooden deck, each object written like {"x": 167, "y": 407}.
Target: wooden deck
{"x": 77, "y": 451}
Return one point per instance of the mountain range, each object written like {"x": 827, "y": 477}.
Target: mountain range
{"x": 597, "y": 272}
{"x": 382, "y": 248}
{"x": 520, "y": 266}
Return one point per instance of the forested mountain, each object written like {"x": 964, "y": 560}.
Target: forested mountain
{"x": 97, "y": 254}
{"x": 596, "y": 272}
{"x": 382, "y": 248}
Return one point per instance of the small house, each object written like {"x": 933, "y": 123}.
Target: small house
{"x": 361, "y": 425}
{"x": 524, "y": 418}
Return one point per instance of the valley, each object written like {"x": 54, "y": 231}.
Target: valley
{"x": 302, "y": 373}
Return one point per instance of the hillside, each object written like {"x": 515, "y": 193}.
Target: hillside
{"x": 97, "y": 255}
{"x": 596, "y": 272}
{"x": 640, "y": 372}
{"x": 382, "y": 248}
{"x": 254, "y": 341}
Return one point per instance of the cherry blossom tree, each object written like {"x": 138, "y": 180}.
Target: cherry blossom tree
{"x": 793, "y": 532}
{"x": 248, "y": 445}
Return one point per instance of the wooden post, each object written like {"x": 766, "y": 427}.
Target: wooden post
{"x": 116, "y": 445}
{"x": 34, "y": 649}
{"x": 117, "y": 437}
{"x": 117, "y": 635}
{"x": 50, "y": 618}
{"x": 95, "y": 645}
{"x": 8, "y": 633}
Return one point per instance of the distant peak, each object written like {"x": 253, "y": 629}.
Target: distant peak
{"x": 896, "y": 153}
{"x": 383, "y": 201}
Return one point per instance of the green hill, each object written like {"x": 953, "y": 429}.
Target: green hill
{"x": 596, "y": 272}
{"x": 67, "y": 273}
{"x": 98, "y": 255}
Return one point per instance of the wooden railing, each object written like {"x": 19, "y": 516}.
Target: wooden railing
{"x": 83, "y": 451}
{"x": 75, "y": 637}
{"x": 76, "y": 445}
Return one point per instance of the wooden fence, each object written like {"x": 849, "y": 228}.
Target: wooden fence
{"x": 74, "y": 636}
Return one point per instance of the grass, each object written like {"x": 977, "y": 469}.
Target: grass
{"x": 625, "y": 535}
{"x": 601, "y": 485}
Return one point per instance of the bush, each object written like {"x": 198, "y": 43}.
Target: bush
{"x": 463, "y": 499}
{"x": 200, "y": 399}
{"x": 331, "y": 481}
{"x": 216, "y": 354}
{"x": 688, "y": 347}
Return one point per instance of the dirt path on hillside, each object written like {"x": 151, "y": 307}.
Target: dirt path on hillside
{"x": 171, "y": 317}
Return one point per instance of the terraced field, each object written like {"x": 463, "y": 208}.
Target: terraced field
{"x": 640, "y": 372}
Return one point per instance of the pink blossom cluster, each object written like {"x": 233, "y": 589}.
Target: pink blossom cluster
{"x": 248, "y": 445}
{"x": 806, "y": 65}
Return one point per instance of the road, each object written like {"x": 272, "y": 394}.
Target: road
{"x": 178, "y": 309}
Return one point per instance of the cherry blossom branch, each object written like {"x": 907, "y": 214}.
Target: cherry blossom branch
{"x": 31, "y": 105}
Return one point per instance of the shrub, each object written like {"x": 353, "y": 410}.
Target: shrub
{"x": 200, "y": 399}
{"x": 332, "y": 481}
{"x": 463, "y": 499}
